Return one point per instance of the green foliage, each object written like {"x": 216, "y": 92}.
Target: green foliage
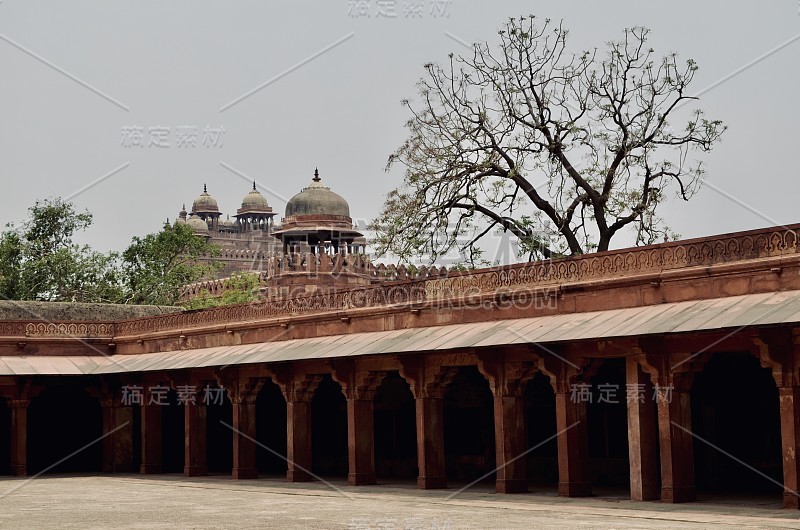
{"x": 40, "y": 261}
{"x": 157, "y": 266}
{"x": 241, "y": 288}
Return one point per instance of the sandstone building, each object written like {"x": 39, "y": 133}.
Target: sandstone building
{"x": 316, "y": 221}
{"x": 667, "y": 372}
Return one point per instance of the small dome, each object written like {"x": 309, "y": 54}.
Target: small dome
{"x": 205, "y": 203}
{"x": 317, "y": 199}
{"x": 254, "y": 201}
{"x": 228, "y": 224}
{"x": 198, "y": 225}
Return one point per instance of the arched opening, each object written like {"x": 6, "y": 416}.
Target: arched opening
{"x": 271, "y": 430}
{"x": 395, "y": 429}
{"x": 735, "y": 408}
{"x": 5, "y": 438}
{"x": 540, "y": 420}
{"x": 219, "y": 437}
{"x": 65, "y": 425}
{"x": 607, "y": 418}
{"x": 172, "y": 429}
{"x": 469, "y": 427}
{"x": 329, "y": 429}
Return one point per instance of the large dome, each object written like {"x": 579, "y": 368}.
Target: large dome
{"x": 205, "y": 203}
{"x": 317, "y": 200}
{"x": 254, "y": 201}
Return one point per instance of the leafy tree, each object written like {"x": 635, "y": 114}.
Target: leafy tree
{"x": 157, "y": 266}
{"x": 240, "y": 288}
{"x": 40, "y": 261}
{"x": 11, "y": 257}
{"x": 563, "y": 150}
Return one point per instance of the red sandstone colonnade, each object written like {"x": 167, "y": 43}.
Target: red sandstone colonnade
{"x": 660, "y": 441}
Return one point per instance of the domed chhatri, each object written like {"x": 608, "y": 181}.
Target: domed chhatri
{"x": 181, "y": 220}
{"x": 205, "y": 203}
{"x": 318, "y": 200}
{"x": 228, "y": 225}
{"x": 198, "y": 225}
{"x": 255, "y": 215}
{"x": 319, "y": 220}
{"x": 254, "y": 202}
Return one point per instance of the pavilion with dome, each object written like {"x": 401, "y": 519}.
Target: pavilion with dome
{"x": 316, "y": 221}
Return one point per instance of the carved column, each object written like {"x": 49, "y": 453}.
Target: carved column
{"x": 573, "y": 446}
{"x": 195, "y": 439}
{"x": 430, "y": 440}
{"x": 572, "y": 427}
{"x": 19, "y": 436}
{"x": 509, "y": 429}
{"x": 428, "y": 387}
{"x": 244, "y": 434}
{"x": 299, "y": 390}
{"x": 360, "y": 441}
{"x": 117, "y": 446}
{"x": 642, "y": 434}
{"x": 780, "y": 351}
{"x": 243, "y": 389}
{"x": 675, "y": 441}
{"x": 359, "y": 389}
{"x": 672, "y": 374}
{"x": 151, "y": 439}
{"x": 790, "y": 444}
{"x": 507, "y": 381}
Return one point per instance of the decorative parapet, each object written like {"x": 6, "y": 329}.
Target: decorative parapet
{"x": 703, "y": 252}
{"x": 311, "y": 264}
{"x": 215, "y": 287}
{"x": 76, "y": 330}
{"x": 336, "y": 301}
{"x": 653, "y": 259}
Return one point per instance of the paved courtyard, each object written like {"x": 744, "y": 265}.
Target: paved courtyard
{"x": 132, "y": 501}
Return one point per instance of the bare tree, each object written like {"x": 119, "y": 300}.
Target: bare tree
{"x": 561, "y": 149}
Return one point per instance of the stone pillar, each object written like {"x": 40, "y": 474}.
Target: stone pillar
{"x": 195, "y": 433}
{"x": 151, "y": 439}
{"x": 298, "y": 438}
{"x": 675, "y": 444}
{"x": 19, "y": 436}
{"x": 118, "y": 446}
{"x": 428, "y": 384}
{"x": 510, "y": 442}
{"x": 642, "y": 434}
{"x": 790, "y": 441}
{"x": 360, "y": 441}
{"x": 430, "y": 443}
{"x": 573, "y": 446}
{"x": 244, "y": 432}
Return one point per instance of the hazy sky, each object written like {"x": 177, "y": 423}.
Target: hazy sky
{"x": 331, "y": 74}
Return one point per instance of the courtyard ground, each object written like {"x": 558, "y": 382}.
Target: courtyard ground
{"x": 171, "y": 501}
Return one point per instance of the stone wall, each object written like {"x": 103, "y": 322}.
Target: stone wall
{"x": 77, "y": 312}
